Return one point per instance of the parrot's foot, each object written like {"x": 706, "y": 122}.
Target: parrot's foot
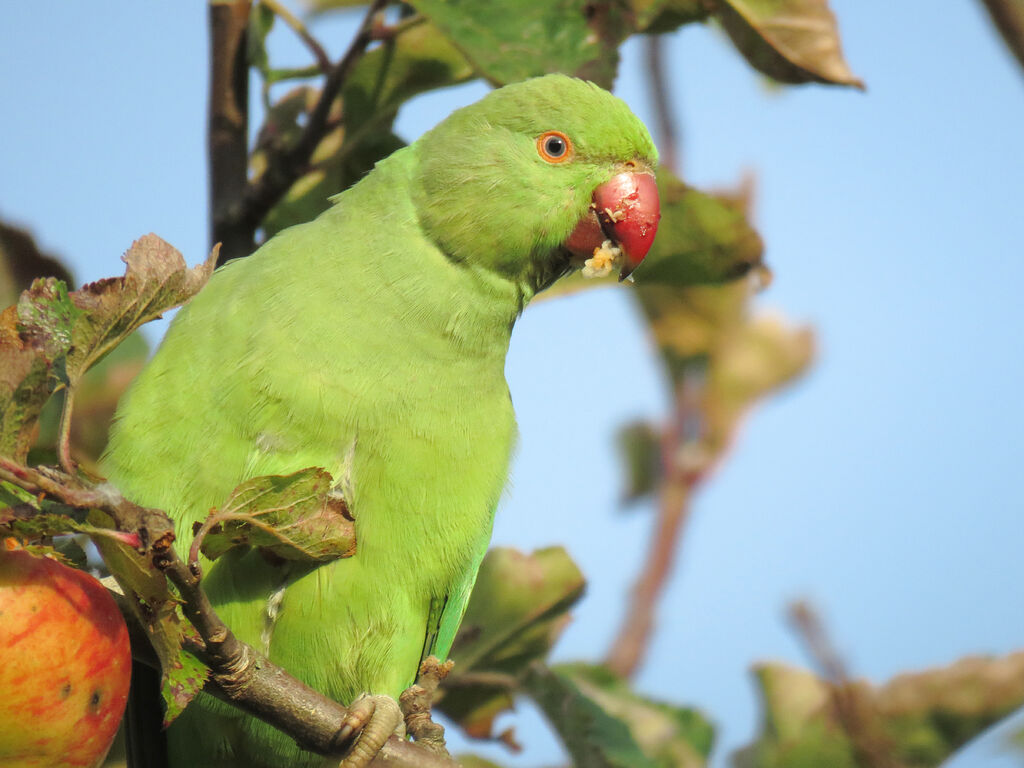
{"x": 372, "y": 720}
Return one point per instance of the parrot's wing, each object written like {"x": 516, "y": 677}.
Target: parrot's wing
{"x": 446, "y": 612}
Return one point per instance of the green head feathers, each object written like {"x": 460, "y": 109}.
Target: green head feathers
{"x": 489, "y": 194}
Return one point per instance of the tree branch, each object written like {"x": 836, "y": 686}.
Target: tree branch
{"x": 227, "y": 139}
{"x": 238, "y": 674}
{"x": 1008, "y": 16}
{"x": 677, "y": 486}
{"x": 285, "y": 165}
{"x": 630, "y": 645}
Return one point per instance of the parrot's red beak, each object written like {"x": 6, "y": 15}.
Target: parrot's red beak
{"x": 626, "y": 210}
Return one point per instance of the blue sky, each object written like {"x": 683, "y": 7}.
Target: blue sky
{"x": 884, "y": 486}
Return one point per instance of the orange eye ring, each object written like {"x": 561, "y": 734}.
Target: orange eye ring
{"x": 554, "y": 147}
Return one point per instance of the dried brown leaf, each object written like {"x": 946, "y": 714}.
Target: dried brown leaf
{"x": 155, "y": 281}
{"x": 791, "y": 41}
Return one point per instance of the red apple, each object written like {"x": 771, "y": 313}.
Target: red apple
{"x": 65, "y": 664}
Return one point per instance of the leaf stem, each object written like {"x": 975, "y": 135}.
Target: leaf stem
{"x": 64, "y": 432}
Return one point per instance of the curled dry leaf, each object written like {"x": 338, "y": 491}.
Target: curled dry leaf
{"x": 155, "y": 281}
{"x": 791, "y": 41}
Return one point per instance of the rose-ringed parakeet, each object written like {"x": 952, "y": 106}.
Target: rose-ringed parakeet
{"x": 371, "y": 342}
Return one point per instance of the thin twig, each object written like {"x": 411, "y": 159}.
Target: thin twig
{"x": 286, "y": 165}
{"x": 323, "y": 61}
{"x": 853, "y": 708}
{"x": 668, "y": 137}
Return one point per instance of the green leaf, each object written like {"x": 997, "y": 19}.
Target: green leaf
{"x": 640, "y": 449}
{"x": 507, "y": 42}
{"x": 29, "y": 525}
{"x": 918, "y": 719}
{"x": 516, "y": 613}
{"x": 156, "y": 609}
{"x": 40, "y": 525}
{"x": 591, "y": 735}
{"x": 791, "y": 41}
{"x": 183, "y": 677}
{"x": 35, "y": 337}
{"x": 672, "y": 736}
{"x": 302, "y": 516}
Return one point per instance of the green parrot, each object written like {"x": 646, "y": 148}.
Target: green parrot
{"x": 371, "y": 342}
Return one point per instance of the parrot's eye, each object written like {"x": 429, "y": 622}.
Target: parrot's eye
{"x": 554, "y": 146}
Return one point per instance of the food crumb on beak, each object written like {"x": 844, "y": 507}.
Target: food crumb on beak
{"x": 607, "y": 258}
